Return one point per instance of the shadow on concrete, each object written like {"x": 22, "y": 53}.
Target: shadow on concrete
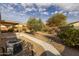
{"x": 47, "y": 53}
{"x": 70, "y": 51}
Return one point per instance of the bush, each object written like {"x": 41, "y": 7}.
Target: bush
{"x": 10, "y": 30}
{"x": 70, "y": 36}
{"x": 35, "y": 25}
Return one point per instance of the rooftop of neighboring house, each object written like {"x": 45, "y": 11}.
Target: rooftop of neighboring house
{"x": 75, "y": 23}
{"x": 8, "y": 22}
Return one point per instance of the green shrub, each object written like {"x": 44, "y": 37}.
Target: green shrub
{"x": 10, "y": 30}
{"x": 70, "y": 36}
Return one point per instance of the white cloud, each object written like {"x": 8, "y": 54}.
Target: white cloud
{"x": 34, "y": 9}
{"x": 28, "y": 9}
{"x": 45, "y": 13}
{"x": 60, "y": 11}
{"x": 52, "y": 13}
{"x": 69, "y": 6}
{"x": 42, "y": 9}
{"x": 71, "y": 12}
{"x": 22, "y": 14}
{"x": 27, "y": 5}
{"x": 65, "y": 13}
{"x": 55, "y": 12}
{"x": 44, "y": 4}
{"x": 76, "y": 12}
{"x": 10, "y": 8}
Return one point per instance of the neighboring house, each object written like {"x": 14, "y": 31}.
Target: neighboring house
{"x": 4, "y": 28}
{"x": 75, "y": 24}
{"x": 5, "y": 25}
{"x": 21, "y": 28}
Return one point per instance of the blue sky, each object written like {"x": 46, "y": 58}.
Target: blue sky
{"x": 20, "y": 12}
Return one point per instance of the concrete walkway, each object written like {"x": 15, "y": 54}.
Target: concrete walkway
{"x": 45, "y": 45}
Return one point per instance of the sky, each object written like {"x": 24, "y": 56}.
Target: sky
{"x": 21, "y": 12}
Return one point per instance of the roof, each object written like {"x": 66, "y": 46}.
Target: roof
{"x": 73, "y": 23}
{"x": 8, "y": 22}
{"x": 4, "y": 28}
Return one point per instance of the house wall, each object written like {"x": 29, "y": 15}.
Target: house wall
{"x": 76, "y": 25}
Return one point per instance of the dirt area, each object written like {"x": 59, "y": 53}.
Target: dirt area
{"x": 63, "y": 49}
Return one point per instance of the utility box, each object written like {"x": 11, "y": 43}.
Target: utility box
{"x": 14, "y": 47}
